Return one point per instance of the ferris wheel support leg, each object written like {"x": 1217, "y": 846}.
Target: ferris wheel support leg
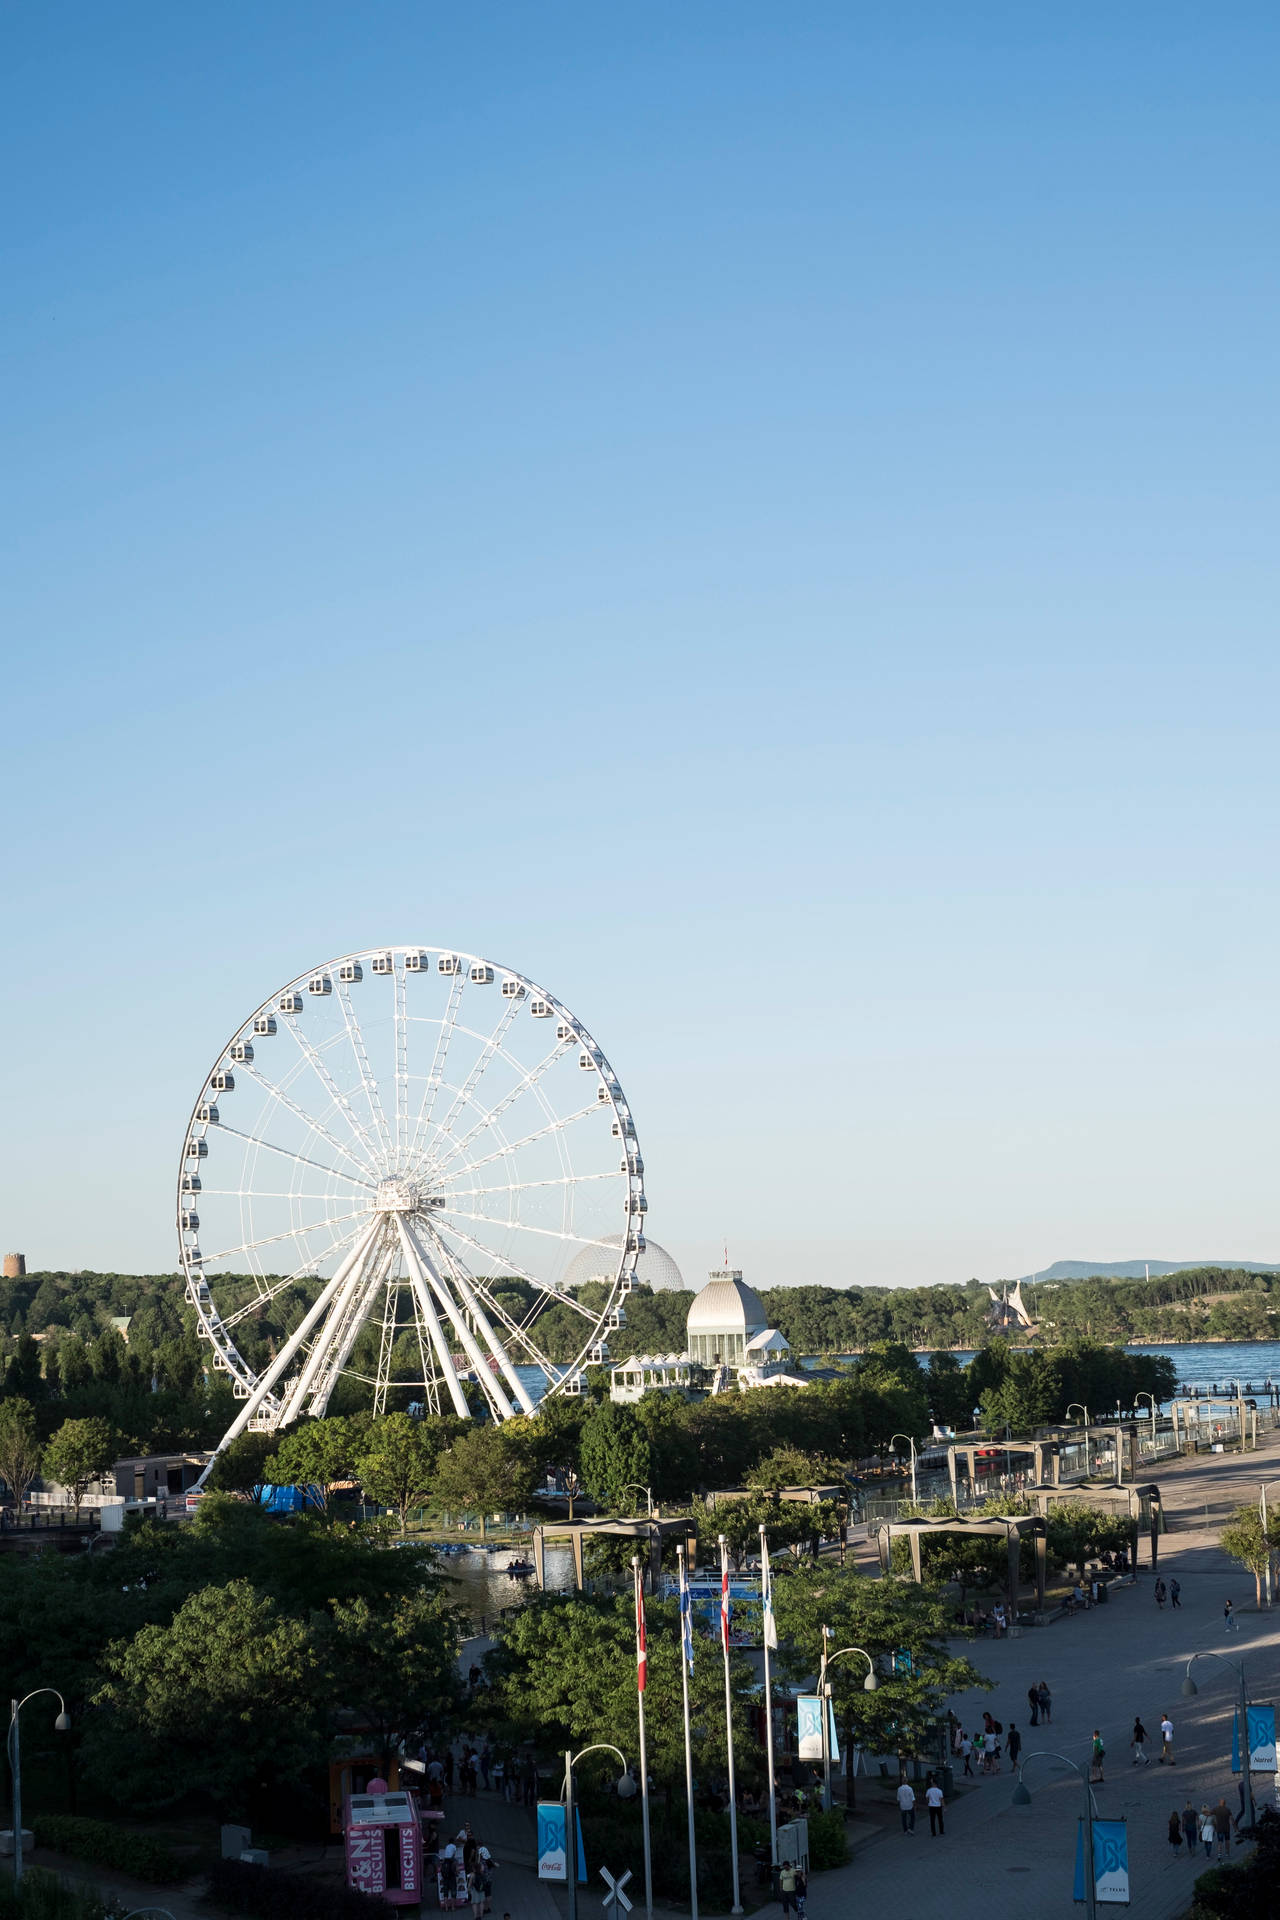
{"x": 476, "y": 1308}
{"x": 340, "y": 1312}
{"x": 280, "y": 1365}
{"x": 498, "y": 1401}
{"x": 426, "y": 1306}
{"x": 345, "y": 1328}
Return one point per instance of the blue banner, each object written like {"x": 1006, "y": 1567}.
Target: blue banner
{"x": 1110, "y": 1863}
{"x": 1262, "y": 1740}
{"x": 552, "y": 1852}
{"x": 809, "y": 1728}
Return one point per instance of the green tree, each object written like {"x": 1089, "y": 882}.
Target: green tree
{"x": 79, "y": 1453}
{"x": 19, "y": 1449}
{"x": 397, "y": 1460}
{"x": 1076, "y": 1532}
{"x": 223, "y": 1700}
{"x": 614, "y": 1454}
{"x": 1028, "y": 1395}
{"x": 789, "y": 1467}
{"x": 317, "y": 1453}
{"x": 241, "y": 1467}
{"x": 486, "y": 1470}
{"x": 396, "y": 1667}
{"x": 1243, "y": 1539}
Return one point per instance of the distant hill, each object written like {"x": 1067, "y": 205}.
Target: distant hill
{"x": 1137, "y": 1269}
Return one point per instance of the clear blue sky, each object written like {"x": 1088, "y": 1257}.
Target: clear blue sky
{"x": 764, "y": 518}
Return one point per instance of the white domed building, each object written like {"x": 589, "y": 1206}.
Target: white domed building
{"x": 728, "y": 1341}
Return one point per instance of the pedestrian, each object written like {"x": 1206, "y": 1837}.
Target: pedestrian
{"x": 1166, "y": 1740}
{"x": 966, "y": 1751}
{"x": 1046, "y": 1703}
{"x": 907, "y": 1806}
{"x": 1033, "y": 1701}
{"x": 486, "y": 1877}
{"x": 935, "y": 1801}
{"x": 1139, "y": 1744}
{"x": 1160, "y": 1594}
{"x": 1207, "y": 1835}
{"x": 787, "y": 1886}
{"x": 1229, "y": 1621}
{"x": 1013, "y": 1745}
{"x": 802, "y": 1888}
{"x": 1175, "y": 1831}
{"x": 1189, "y": 1825}
{"x": 1175, "y": 1593}
{"x": 486, "y": 1759}
{"x": 1097, "y": 1755}
{"x": 1222, "y": 1828}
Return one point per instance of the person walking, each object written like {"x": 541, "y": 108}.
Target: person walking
{"x": 935, "y": 1800}
{"x": 1229, "y": 1621}
{"x": 1175, "y": 1831}
{"x": 1033, "y": 1701}
{"x": 1139, "y": 1744}
{"x": 1166, "y": 1741}
{"x": 1206, "y": 1830}
{"x": 907, "y": 1806}
{"x": 1160, "y": 1591}
{"x": 1045, "y": 1699}
{"x": 802, "y": 1888}
{"x": 966, "y": 1754}
{"x": 1098, "y": 1754}
{"x": 1013, "y": 1745}
{"x": 1175, "y": 1593}
{"x": 1189, "y": 1824}
{"x": 1222, "y": 1829}
{"x": 787, "y": 1886}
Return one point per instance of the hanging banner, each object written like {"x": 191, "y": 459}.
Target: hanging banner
{"x": 553, "y": 1854}
{"x": 1262, "y": 1740}
{"x": 809, "y": 1709}
{"x": 1110, "y": 1863}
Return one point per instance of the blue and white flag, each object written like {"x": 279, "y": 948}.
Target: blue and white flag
{"x": 1110, "y": 1863}
{"x": 1262, "y": 1739}
{"x": 766, "y": 1599}
{"x": 686, "y": 1618}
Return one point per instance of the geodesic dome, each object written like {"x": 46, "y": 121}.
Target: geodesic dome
{"x": 655, "y": 1268}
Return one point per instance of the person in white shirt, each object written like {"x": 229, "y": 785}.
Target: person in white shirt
{"x": 907, "y": 1806}
{"x": 933, "y": 1799}
{"x": 1166, "y": 1740}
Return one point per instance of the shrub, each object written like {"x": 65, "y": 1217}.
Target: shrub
{"x": 43, "y": 1896}
{"x": 264, "y": 1894}
{"x": 138, "y": 1854}
{"x": 828, "y": 1844}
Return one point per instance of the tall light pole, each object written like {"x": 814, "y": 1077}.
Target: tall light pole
{"x": 766, "y": 1598}
{"x": 626, "y": 1787}
{"x": 915, "y": 1496}
{"x": 869, "y": 1685}
{"x": 1138, "y": 1398}
{"x": 1022, "y": 1798}
{"x": 1119, "y": 1450}
{"x": 1190, "y": 1689}
{"x": 1085, "y": 1411}
{"x": 1262, "y": 1510}
{"x": 63, "y": 1725}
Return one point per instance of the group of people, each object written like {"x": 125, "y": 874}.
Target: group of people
{"x": 500, "y": 1771}
{"x": 986, "y": 1747}
{"x": 1210, "y": 1828}
{"x": 934, "y": 1800}
{"x": 1172, "y": 1593}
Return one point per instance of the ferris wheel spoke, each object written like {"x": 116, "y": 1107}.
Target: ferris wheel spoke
{"x": 431, "y": 1091}
{"x": 337, "y": 1332}
{"x": 300, "y": 1113}
{"x": 473, "y": 1301}
{"x": 318, "y": 1066}
{"x": 367, "y": 1081}
{"x": 289, "y": 1233}
{"x": 426, "y": 1306}
{"x": 524, "y": 1226}
{"x": 267, "y": 1291}
{"x": 492, "y": 1047}
{"x": 402, "y": 1056}
{"x": 528, "y": 1186}
{"x": 525, "y": 1085}
{"x": 514, "y": 1268}
{"x": 515, "y": 1146}
{"x": 287, "y": 1153}
{"x": 495, "y": 1306}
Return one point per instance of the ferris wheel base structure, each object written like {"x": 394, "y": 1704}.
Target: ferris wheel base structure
{"x": 387, "y": 1175}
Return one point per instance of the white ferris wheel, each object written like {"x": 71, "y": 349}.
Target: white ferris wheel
{"x": 392, "y": 1164}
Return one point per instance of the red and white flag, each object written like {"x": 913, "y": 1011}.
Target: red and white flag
{"x": 642, "y": 1652}
{"x": 725, "y": 1608}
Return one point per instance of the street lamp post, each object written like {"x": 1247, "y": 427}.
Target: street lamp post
{"x": 1085, "y": 1411}
{"x": 915, "y": 1496}
{"x": 869, "y": 1685}
{"x": 1190, "y": 1689}
{"x": 1022, "y": 1798}
{"x": 1119, "y": 1450}
{"x": 1262, "y": 1510}
{"x": 626, "y": 1787}
{"x": 634, "y": 1486}
{"x": 62, "y": 1725}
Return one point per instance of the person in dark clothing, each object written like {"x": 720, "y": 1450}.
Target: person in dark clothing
{"x": 1013, "y": 1744}
{"x": 1175, "y": 1831}
{"x": 1190, "y": 1823}
{"x": 1175, "y": 1593}
{"x": 1033, "y": 1701}
{"x": 1045, "y": 1699}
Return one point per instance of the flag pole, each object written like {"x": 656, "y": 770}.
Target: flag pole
{"x": 686, "y": 1661}
{"x": 728, "y": 1721}
{"x": 642, "y": 1680}
{"x": 770, "y": 1637}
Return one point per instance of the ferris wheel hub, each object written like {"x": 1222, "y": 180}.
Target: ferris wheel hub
{"x": 400, "y": 1196}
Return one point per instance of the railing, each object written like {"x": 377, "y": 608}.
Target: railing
{"x": 42, "y": 1519}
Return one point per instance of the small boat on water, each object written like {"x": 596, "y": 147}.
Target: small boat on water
{"x": 518, "y": 1567}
